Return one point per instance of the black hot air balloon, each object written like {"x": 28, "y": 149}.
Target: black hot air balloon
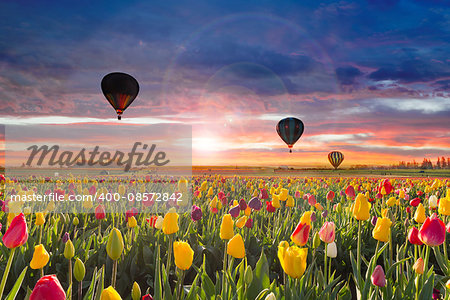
{"x": 290, "y": 130}
{"x": 335, "y": 158}
{"x": 120, "y": 90}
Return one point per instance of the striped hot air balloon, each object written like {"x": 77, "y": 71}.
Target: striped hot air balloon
{"x": 120, "y": 90}
{"x": 290, "y": 130}
{"x": 335, "y": 158}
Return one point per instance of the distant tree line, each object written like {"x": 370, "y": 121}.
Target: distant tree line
{"x": 441, "y": 163}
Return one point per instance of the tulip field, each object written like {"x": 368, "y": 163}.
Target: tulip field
{"x": 242, "y": 237}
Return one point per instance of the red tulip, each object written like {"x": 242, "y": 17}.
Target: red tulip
{"x": 48, "y": 287}
{"x": 415, "y": 202}
{"x": 378, "y": 278}
{"x": 100, "y": 212}
{"x": 350, "y": 192}
{"x": 17, "y": 233}
{"x": 432, "y": 232}
{"x": 413, "y": 236}
{"x": 387, "y": 186}
{"x": 330, "y": 195}
{"x": 270, "y": 207}
{"x": 408, "y": 210}
{"x": 263, "y": 194}
{"x": 249, "y": 223}
{"x": 312, "y": 200}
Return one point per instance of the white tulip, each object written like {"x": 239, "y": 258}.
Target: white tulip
{"x": 332, "y": 250}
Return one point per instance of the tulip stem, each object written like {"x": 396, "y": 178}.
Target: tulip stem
{"x": 5, "y": 275}
{"x": 325, "y": 278}
{"x": 425, "y": 268}
{"x": 224, "y": 268}
{"x": 180, "y": 283}
{"x": 80, "y": 290}
{"x": 114, "y": 273}
{"x": 358, "y": 253}
{"x": 70, "y": 278}
{"x": 40, "y": 233}
{"x": 169, "y": 255}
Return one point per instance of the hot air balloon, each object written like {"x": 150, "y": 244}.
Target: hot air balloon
{"x": 120, "y": 90}
{"x": 335, "y": 158}
{"x": 290, "y": 130}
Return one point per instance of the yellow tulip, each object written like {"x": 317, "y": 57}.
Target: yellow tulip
{"x": 283, "y": 194}
{"x": 292, "y": 259}
{"x": 132, "y": 222}
{"x": 420, "y": 216}
{"x": 184, "y": 255}
{"x": 444, "y": 205}
{"x": 391, "y": 201}
{"x": 382, "y": 229}
{"x": 226, "y": 227}
{"x": 236, "y": 247}
{"x": 40, "y": 257}
{"x": 306, "y": 218}
{"x": 361, "y": 208}
{"x": 40, "y": 219}
{"x": 170, "y": 222}
{"x": 110, "y": 294}
{"x": 290, "y": 201}
{"x": 241, "y": 221}
{"x": 276, "y": 201}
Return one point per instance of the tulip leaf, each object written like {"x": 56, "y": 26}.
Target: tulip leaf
{"x": 13, "y": 293}
{"x": 441, "y": 260}
{"x": 69, "y": 292}
{"x": 101, "y": 283}
{"x": 427, "y": 289}
{"x": 90, "y": 292}
{"x": 261, "y": 278}
{"x": 157, "y": 284}
{"x": 208, "y": 285}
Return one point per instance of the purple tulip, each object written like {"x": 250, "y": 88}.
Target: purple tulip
{"x": 65, "y": 237}
{"x": 255, "y": 204}
{"x": 242, "y": 204}
{"x": 374, "y": 220}
{"x": 313, "y": 217}
{"x": 196, "y": 213}
{"x": 234, "y": 211}
{"x": 325, "y": 213}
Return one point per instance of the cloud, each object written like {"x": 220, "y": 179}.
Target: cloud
{"x": 347, "y": 75}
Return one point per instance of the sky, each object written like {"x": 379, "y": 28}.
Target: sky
{"x": 368, "y": 78}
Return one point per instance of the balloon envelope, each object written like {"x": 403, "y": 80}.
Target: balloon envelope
{"x": 290, "y": 130}
{"x": 120, "y": 90}
{"x": 335, "y": 158}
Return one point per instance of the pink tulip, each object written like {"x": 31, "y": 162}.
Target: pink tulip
{"x": 17, "y": 233}
{"x": 297, "y": 194}
{"x": 432, "y": 232}
{"x": 378, "y": 278}
{"x": 327, "y": 232}
{"x": 413, "y": 236}
{"x": 312, "y": 200}
{"x": 48, "y": 287}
